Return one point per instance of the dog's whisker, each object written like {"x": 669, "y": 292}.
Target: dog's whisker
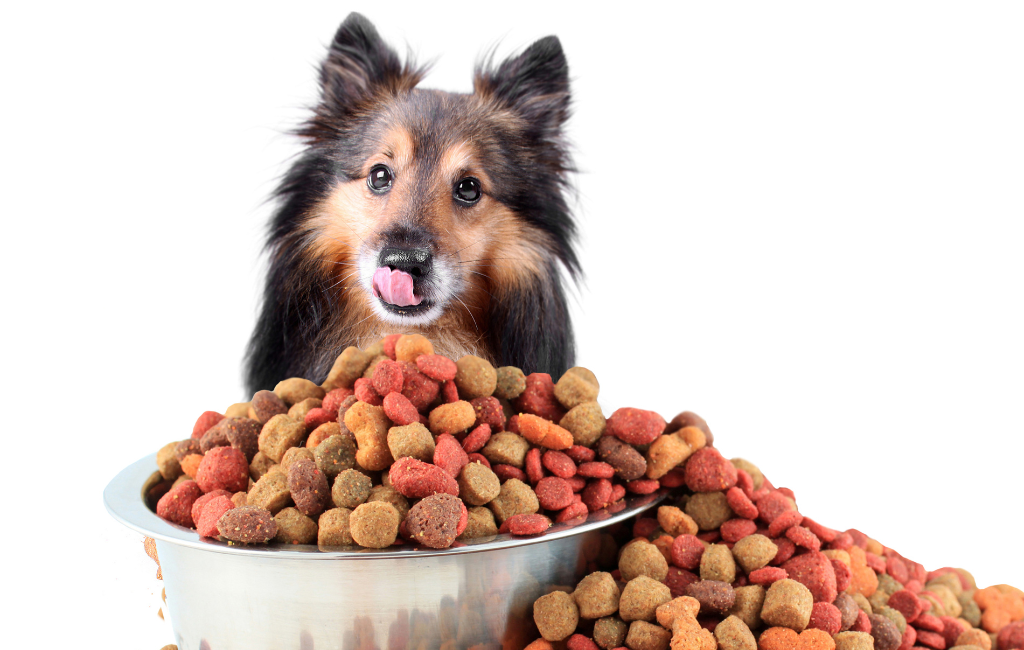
{"x": 468, "y": 311}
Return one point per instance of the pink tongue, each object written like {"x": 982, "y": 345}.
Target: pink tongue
{"x": 394, "y": 287}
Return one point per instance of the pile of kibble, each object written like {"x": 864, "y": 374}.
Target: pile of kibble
{"x": 400, "y": 445}
{"x": 733, "y": 565}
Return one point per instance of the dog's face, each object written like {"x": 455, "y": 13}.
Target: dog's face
{"x": 415, "y": 210}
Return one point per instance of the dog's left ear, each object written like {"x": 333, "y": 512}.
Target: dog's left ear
{"x": 535, "y": 83}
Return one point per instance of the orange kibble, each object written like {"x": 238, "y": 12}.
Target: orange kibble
{"x": 543, "y": 432}
{"x": 783, "y": 638}
{"x": 190, "y": 464}
{"x": 863, "y": 579}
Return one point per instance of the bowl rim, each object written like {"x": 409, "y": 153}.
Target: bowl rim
{"x": 124, "y": 499}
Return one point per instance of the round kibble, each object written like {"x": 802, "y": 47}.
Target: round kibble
{"x": 635, "y": 426}
{"x": 718, "y": 564}
{"x": 478, "y": 485}
{"x": 585, "y": 422}
{"x": 479, "y": 523}
{"x": 506, "y": 448}
{"x": 475, "y": 377}
{"x": 265, "y": 405}
{"x": 734, "y": 634}
{"x": 514, "y": 498}
{"x": 293, "y": 527}
{"x": 223, "y": 468}
{"x": 709, "y": 509}
{"x": 647, "y": 636}
{"x": 432, "y": 522}
{"x": 641, "y": 598}
{"x": 308, "y": 487}
{"x": 556, "y": 616}
{"x": 597, "y": 595}
{"x": 576, "y": 386}
{"x": 754, "y": 552}
{"x": 374, "y": 524}
{"x": 350, "y": 489}
{"x": 641, "y": 558}
{"x": 526, "y": 524}
{"x": 509, "y": 382}
{"x": 610, "y": 632}
{"x": 715, "y": 597}
{"x": 787, "y": 603}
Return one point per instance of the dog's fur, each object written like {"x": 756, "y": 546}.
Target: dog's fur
{"x": 495, "y": 289}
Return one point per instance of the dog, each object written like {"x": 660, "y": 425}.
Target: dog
{"x": 416, "y": 210}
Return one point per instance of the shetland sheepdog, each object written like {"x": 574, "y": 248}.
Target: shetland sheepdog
{"x": 416, "y": 210}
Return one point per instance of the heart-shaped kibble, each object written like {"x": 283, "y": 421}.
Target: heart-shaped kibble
{"x": 783, "y": 638}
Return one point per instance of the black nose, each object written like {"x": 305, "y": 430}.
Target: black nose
{"x": 415, "y": 261}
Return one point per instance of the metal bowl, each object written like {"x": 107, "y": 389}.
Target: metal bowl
{"x": 478, "y": 595}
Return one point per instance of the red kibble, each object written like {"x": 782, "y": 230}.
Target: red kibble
{"x": 223, "y": 468}
{"x": 951, "y": 629}
{"x": 573, "y": 511}
{"x": 449, "y": 392}
{"x": 678, "y": 580}
{"x": 784, "y": 522}
{"x": 415, "y": 479}
{"x": 197, "y": 506}
{"x": 904, "y": 602}
{"x": 1011, "y": 637}
{"x": 365, "y": 392}
{"x": 842, "y": 542}
{"x": 741, "y": 503}
{"x": 909, "y": 638}
{"x": 929, "y": 623}
{"x": 437, "y": 367}
{"x": 736, "y": 529}
{"x": 206, "y": 526}
{"x": 767, "y": 576}
{"x": 449, "y": 454}
{"x": 686, "y": 552}
{"x": 479, "y": 458}
{"x": 389, "y": 345}
{"x": 786, "y": 550}
{"x": 876, "y": 562}
{"x": 534, "y": 468}
{"x": 176, "y": 505}
{"x": 332, "y": 400}
{"x": 708, "y": 471}
{"x": 843, "y": 575}
{"x": 744, "y": 482}
{"x": 388, "y": 377}
{"x": 895, "y": 567}
{"x": 581, "y": 454}
{"x": 862, "y": 624}
{"x": 595, "y": 469}
{"x": 673, "y": 479}
{"x": 463, "y": 519}
{"x": 821, "y": 532}
{"x": 711, "y": 536}
{"x": 814, "y": 571}
{"x": 786, "y": 492}
{"x": 317, "y": 416}
{"x": 488, "y": 411}
{"x": 635, "y": 426}
{"x": 512, "y": 424}
{"x": 420, "y": 389}
{"x": 399, "y": 409}
{"x": 803, "y": 537}
{"x": 618, "y": 492}
{"x": 558, "y": 464}
{"x": 931, "y": 639}
{"x": 643, "y": 486}
{"x": 524, "y": 524}
{"x": 580, "y": 642}
{"x": 859, "y": 538}
{"x": 539, "y": 397}
{"x": 772, "y": 505}
{"x": 477, "y": 438}
{"x": 597, "y": 494}
{"x": 204, "y": 422}
{"x": 505, "y": 472}
{"x": 577, "y": 483}
{"x": 553, "y": 493}
{"x": 644, "y": 527}
{"x": 826, "y": 617}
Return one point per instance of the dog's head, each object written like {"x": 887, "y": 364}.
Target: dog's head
{"x": 421, "y": 210}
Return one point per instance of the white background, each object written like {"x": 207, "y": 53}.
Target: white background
{"x": 801, "y": 221}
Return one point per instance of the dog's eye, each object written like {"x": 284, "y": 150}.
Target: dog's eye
{"x": 467, "y": 191}
{"x": 380, "y": 179}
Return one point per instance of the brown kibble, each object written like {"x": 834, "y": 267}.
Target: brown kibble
{"x": 452, "y": 418}
{"x": 308, "y": 487}
{"x": 238, "y": 410}
{"x": 610, "y": 632}
{"x": 265, "y": 405}
{"x": 709, "y": 509}
{"x": 350, "y": 489}
{"x": 333, "y": 528}
{"x": 270, "y": 492}
{"x": 666, "y": 453}
{"x": 475, "y": 378}
{"x": 298, "y": 410}
{"x": 370, "y": 427}
{"x": 279, "y": 434}
{"x": 787, "y": 603}
{"x": 718, "y": 564}
{"x": 410, "y": 346}
{"x": 247, "y": 525}
{"x": 374, "y": 524}
{"x": 167, "y": 462}
{"x": 747, "y": 605}
{"x": 694, "y": 438}
{"x": 585, "y": 422}
{"x": 296, "y": 389}
{"x": 510, "y": 382}
{"x": 478, "y": 485}
{"x": 754, "y": 552}
{"x": 556, "y": 615}
{"x": 675, "y": 522}
{"x": 514, "y": 498}
{"x": 411, "y": 441}
{"x": 389, "y": 494}
{"x": 240, "y": 499}
{"x": 733, "y": 634}
{"x": 597, "y": 595}
{"x": 974, "y": 636}
{"x": 629, "y": 464}
{"x": 348, "y": 367}
{"x": 323, "y": 432}
{"x": 647, "y": 636}
{"x": 506, "y": 448}
{"x": 749, "y": 468}
{"x": 480, "y": 523}
{"x": 372, "y": 366}
{"x": 641, "y": 598}
{"x": 335, "y": 455}
{"x": 854, "y": 641}
{"x": 294, "y": 454}
{"x": 433, "y": 521}
{"x": 293, "y": 527}
{"x": 714, "y": 596}
{"x": 260, "y": 465}
{"x": 641, "y": 558}
{"x": 681, "y": 606}
{"x": 576, "y": 386}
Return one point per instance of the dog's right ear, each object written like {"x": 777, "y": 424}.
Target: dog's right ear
{"x": 359, "y": 66}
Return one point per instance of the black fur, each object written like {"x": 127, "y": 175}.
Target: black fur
{"x": 528, "y": 324}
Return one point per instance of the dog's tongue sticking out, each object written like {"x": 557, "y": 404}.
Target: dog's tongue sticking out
{"x": 394, "y": 287}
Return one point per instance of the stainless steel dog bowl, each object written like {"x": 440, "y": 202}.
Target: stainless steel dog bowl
{"x": 479, "y": 595}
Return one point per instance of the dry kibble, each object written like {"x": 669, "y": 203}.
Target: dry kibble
{"x": 279, "y": 434}
{"x": 585, "y": 422}
{"x": 754, "y": 552}
{"x": 510, "y": 382}
{"x": 854, "y": 641}
{"x": 296, "y": 389}
{"x": 647, "y": 636}
{"x": 410, "y": 346}
{"x": 452, "y": 418}
{"x": 247, "y": 525}
{"x": 293, "y": 527}
{"x": 629, "y": 463}
{"x": 265, "y": 405}
{"x": 641, "y": 558}
{"x": 480, "y": 523}
{"x": 514, "y": 498}
{"x": 675, "y": 522}
{"x": 787, "y": 603}
{"x": 260, "y": 465}
{"x": 240, "y": 499}
{"x": 478, "y": 485}
{"x": 709, "y": 509}
{"x": 665, "y": 453}
{"x": 673, "y": 609}
{"x": 556, "y": 615}
{"x": 370, "y": 427}
{"x": 576, "y": 386}
{"x": 270, "y": 492}
{"x": 641, "y": 598}
{"x": 747, "y": 605}
{"x": 475, "y": 377}
{"x": 294, "y": 454}
{"x": 237, "y": 410}
{"x": 299, "y": 410}
{"x": 506, "y": 448}
{"x": 411, "y": 441}
{"x": 433, "y": 521}
{"x": 733, "y": 634}
{"x": 308, "y": 487}
{"x": 335, "y": 455}
{"x": 389, "y": 494}
{"x": 350, "y": 489}
{"x": 167, "y": 462}
{"x": 749, "y": 468}
{"x": 610, "y": 632}
{"x": 597, "y": 595}
{"x": 718, "y": 564}
{"x": 374, "y": 524}
{"x": 333, "y": 528}
{"x": 715, "y": 597}
{"x": 348, "y": 367}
